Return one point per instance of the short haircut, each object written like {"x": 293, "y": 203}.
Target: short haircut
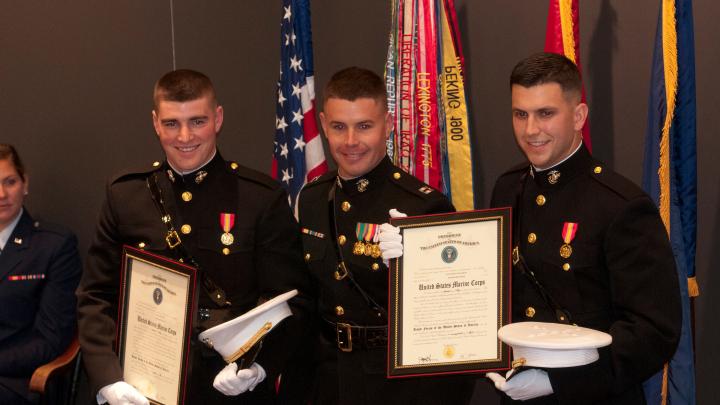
{"x": 544, "y": 67}
{"x": 183, "y": 85}
{"x": 355, "y": 82}
{"x": 8, "y": 152}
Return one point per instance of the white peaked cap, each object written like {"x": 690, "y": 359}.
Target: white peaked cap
{"x": 236, "y": 336}
{"x": 553, "y": 345}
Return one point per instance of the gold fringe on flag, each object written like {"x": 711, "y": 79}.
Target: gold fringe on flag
{"x": 568, "y": 33}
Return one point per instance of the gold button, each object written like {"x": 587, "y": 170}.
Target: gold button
{"x": 226, "y": 251}
{"x": 156, "y": 164}
{"x": 540, "y": 200}
{"x": 342, "y": 239}
{"x": 529, "y": 312}
{"x": 141, "y": 245}
{"x": 186, "y": 229}
{"x": 345, "y": 206}
{"x": 233, "y": 166}
{"x": 396, "y": 175}
{"x": 375, "y": 267}
{"x": 532, "y": 238}
{"x": 566, "y": 266}
{"x": 307, "y": 257}
{"x": 186, "y": 196}
{"x": 339, "y": 311}
{"x": 598, "y": 169}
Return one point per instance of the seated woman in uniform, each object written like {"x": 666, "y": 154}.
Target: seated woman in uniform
{"x": 39, "y": 271}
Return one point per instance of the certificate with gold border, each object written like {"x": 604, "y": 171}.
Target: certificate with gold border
{"x": 449, "y": 294}
{"x": 157, "y": 301}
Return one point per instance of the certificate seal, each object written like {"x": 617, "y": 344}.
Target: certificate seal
{"x": 449, "y": 254}
{"x": 449, "y": 351}
{"x": 157, "y": 296}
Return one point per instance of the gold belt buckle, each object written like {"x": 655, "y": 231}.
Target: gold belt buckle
{"x": 344, "y": 345}
{"x": 172, "y": 239}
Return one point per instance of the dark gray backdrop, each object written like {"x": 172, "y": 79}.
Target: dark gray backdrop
{"x": 76, "y": 79}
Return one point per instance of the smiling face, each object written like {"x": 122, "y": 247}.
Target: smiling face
{"x": 188, "y": 130}
{"x": 13, "y": 189}
{"x": 547, "y": 122}
{"x": 356, "y": 132}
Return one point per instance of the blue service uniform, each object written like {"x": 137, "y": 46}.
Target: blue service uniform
{"x": 358, "y": 376}
{"x": 39, "y": 271}
{"x": 617, "y": 276}
{"x": 263, "y": 260}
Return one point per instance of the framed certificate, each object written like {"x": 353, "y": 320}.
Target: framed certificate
{"x": 157, "y": 301}
{"x": 449, "y": 294}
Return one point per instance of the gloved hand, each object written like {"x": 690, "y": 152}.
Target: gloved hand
{"x": 390, "y": 239}
{"x": 121, "y": 393}
{"x": 525, "y": 385}
{"x": 230, "y": 381}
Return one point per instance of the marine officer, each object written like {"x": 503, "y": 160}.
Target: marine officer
{"x": 589, "y": 247}
{"x": 340, "y": 214}
{"x": 232, "y": 222}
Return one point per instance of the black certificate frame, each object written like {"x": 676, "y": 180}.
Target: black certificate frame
{"x": 502, "y": 361}
{"x": 130, "y": 256}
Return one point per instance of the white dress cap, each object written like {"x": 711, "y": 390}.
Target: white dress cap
{"x": 235, "y": 337}
{"x": 553, "y": 345}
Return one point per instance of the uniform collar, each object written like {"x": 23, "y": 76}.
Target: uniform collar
{"x": 563, "y": 171}
{"x": 367, "y": 182}
{"x": 8, "y": 231}
{"x": 196, "y": 176}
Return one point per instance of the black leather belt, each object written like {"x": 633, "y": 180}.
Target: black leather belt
{"x": 349, "y": 337}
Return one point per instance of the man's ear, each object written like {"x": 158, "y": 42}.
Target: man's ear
{"x": 156, "y": 123}
{"x": 388, "y": 124}
{"x": 580, "y": 116}
{"x": 218, "y": 118}
{"x": 323, "y": 123}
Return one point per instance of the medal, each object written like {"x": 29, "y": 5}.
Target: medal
{"x": 376, "y": 251}
{"x": 359, "y": 248}
{"x": 227, "y": 221}
{"x": 568, "y": 234}
{"x": 365, "y": 233}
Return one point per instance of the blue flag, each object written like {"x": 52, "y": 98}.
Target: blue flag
{"x": 670, "y": 178}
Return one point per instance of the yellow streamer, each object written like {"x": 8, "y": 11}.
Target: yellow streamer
{"x": 456, "y": 122}
{"x": 566, "y": 24}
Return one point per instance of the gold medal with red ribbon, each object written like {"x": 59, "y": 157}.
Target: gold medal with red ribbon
{"x": 227, "y": 221}
{"x": 568, "y": 234}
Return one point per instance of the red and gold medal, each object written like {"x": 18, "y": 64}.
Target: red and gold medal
{"x": 568, "y": 234}
{"x": 227, "y": 221}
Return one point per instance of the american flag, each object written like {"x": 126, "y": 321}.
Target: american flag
{"x": 298, "y": 152}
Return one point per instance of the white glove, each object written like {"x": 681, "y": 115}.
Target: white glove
{"x": 121, "y": 393}
{"x": 390, "y": 239}
{"x": 232, "y": 382}
{"x": 526, "y": 385}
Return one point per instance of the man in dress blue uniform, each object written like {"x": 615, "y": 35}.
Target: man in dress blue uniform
{"x": 340, "y": 214}
{"x": 233, "y": 222}
{"x": 39, "y": 271}
{"x": 589, "y": 247}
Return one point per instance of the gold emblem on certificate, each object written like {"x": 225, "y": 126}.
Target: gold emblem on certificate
{"x": 227, "y": 221}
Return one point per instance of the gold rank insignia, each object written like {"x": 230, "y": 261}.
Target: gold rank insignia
{"x": 553, "y": 176}
{"x": 362, "y": 185}
{"x": 227, "y": 221}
